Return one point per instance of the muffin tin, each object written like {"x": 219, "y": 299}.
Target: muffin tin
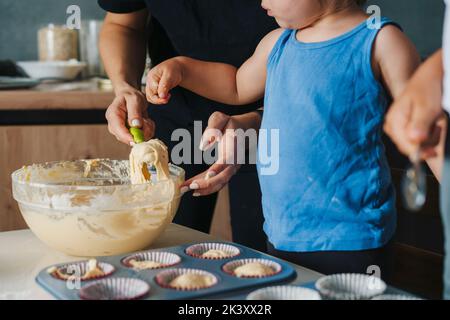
{"x": 226, "y": 283}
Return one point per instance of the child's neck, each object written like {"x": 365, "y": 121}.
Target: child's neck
{"x": 332, "y": 24}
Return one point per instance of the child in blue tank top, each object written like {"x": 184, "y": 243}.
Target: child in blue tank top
{"x": 326, "y": 76}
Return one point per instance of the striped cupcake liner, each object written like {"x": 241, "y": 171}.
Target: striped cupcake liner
{"x": 78, "y": 269}
{"x": 197, "y": 250}
{"x": 164, "y": 278}
{"x": 284, "y": 293}
{"x": 232, "y": 265}
{"x": 166, "y": 259}
{"x": 115, "y": 289}
{"x": 350, "y": 286}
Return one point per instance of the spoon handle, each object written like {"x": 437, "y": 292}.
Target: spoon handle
{"x": 138, "y": 135}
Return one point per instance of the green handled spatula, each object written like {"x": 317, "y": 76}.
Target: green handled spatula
{"x": 138, "y": 137}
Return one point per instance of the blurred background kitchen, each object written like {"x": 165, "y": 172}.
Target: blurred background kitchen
{"x": 64, "y": 119}
{"x": 421, "y": 19}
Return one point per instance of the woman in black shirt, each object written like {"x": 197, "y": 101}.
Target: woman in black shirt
{"x": 225, "y": 31}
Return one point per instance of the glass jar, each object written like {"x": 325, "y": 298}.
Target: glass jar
{"x": 57, "y": 43}
{"x": 89, "y": 36}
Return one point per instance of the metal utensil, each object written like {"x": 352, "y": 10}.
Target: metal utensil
{"x": 414, "y": 184}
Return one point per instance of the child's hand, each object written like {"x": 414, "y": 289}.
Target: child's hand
{"x": 161, "y": 79}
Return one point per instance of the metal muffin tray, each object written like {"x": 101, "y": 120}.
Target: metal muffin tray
{"x": 227, "y": 283}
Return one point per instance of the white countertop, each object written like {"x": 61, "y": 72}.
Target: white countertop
{"x": 22, "y": 256}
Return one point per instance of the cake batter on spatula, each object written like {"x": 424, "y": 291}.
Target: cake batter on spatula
{"x": 153, "y": 152}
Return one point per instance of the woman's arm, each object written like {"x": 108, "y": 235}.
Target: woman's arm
{"x": 123, "y": 47}
{"x": 123, "y": 50}
{"x": 216, "y": 81}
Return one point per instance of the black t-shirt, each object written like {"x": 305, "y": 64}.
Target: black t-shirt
{"x": 225, "y": 31}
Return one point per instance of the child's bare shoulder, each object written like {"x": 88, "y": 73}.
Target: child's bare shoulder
{"x": 272, "y": 37}
{"x": 394, "y": 58}
{"x": 268, "y": 42}
{"x": 392, "y": 40}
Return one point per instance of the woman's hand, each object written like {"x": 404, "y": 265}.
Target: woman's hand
{"x": 161, "y": 79}
{"x": 221, "y": 129}
{"x": 129, "y": 106}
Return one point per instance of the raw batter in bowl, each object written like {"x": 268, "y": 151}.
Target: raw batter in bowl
{"x": 90, "y": 207}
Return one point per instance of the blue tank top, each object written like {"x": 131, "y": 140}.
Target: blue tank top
{"x": 333, "y": 189}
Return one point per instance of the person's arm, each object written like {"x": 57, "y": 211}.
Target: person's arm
{"x": 416, "y": 117}
{"x": 123, "y": 50}
{"x": 216, "y": 81}
{"x": 123, "y": 47}
{"x": 395, "y": 74}
{"x": 396, "y": 59}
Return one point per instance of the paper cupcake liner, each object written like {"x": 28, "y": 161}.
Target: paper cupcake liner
{"x": 284, "y": 293}
{"x": 197, "y": 250}
{"x": 164, "y": 278}
{"x": 232, "y": 265}
{"x": 115, "y": 289}
{"x": 166, "y": 259}
{"x": 78, "y": 269}
{"x": 350, "y": 286}
{"x": 395, "y": 297}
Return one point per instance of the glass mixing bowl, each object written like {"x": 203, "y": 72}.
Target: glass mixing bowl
{"x": 89, "y": 208}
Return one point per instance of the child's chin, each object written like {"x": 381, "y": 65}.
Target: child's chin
{"x": 282, "y": 24}
{"x": 285, "y": 25}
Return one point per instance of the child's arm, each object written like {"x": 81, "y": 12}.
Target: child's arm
{"x": 394, "y": 59}
{"x": 216, "y": 81}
